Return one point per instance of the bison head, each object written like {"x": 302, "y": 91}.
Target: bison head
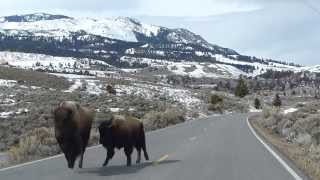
{"x": 105, "y": 131}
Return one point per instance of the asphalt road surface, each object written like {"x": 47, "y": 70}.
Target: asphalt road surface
{"x": 216, "y": 148}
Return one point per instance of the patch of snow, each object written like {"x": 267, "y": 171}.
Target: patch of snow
{"x": 46, "y": 62}
{"x": 115, "y": 110}
{"x": 254, "y": 110}
{"x": 7, "y": 83}
{"x": 7, "y": 102}
{"x": 180, "y": 96}
{"x": 35, "y": 87}
{"x": 77, "y": 85}
{"x": 22, "y": 111}
{"x": 290, "y": 110}
{"x": 93, "y": 87}
{"x": 72, "y": 76}
{"x": 5, "y": 115}
{"x": 131, "y": 70}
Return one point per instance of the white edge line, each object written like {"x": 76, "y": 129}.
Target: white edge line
{"x": 92, "y": 147}
{"x": 280, "y": 160}
{"x": 40, "y": 160}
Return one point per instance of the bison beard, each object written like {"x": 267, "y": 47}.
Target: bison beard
{"x": 72, "y": 130}
{"x": 125, "y": 134}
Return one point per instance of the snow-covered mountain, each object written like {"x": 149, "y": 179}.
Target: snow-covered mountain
{"x": 58, "y": 26}
{"x": 125, "y": 43}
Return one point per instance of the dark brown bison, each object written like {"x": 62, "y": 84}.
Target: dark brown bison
{"x": 72, "y": 130}
{"x": 120, "y": 133}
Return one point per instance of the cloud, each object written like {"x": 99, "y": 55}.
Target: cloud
{"x": 282, "y": 31}
{"x": 9, "y": 7}
{"x": 194, "y": 8}
{"x": 131, "y": 7}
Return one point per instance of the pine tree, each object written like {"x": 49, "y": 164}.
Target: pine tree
{"x": 257, "y": 103}
{"x": 242, "y": 88}
{"x": 277, "y": 101}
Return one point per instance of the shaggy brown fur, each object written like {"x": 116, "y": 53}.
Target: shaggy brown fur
{"x": 72, "y": 130}
{"x": 127, "y": 134}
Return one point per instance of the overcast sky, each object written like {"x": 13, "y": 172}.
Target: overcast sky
{"x": 280, "y": 29}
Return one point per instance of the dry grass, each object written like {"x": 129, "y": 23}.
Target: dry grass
{"x": 36, "y": 144}
{"x": 156, "y": 120}
{"x": 298, "y": 154}
{"x": 32, "y": 78}
{"x": 221, "y": 103}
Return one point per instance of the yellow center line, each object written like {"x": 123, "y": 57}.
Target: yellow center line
{"x": 161, "y": 159}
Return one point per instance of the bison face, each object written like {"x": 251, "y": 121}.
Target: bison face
{"x": 62, "y": 117}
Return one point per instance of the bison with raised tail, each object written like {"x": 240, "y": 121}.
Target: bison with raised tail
{"x": 127, "y": 134}
{"x": 72, "y": 125}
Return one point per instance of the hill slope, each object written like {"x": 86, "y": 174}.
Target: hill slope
{"x": 127, "y": 43}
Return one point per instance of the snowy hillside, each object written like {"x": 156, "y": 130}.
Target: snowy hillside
{"x": 120, "y": 28}
{"x": 49, "y": 63}
{"x": 221, "y": 69}
{"x": 58, "y": 43}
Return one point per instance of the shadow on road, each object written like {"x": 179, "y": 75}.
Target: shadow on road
{"x": 120, "y": 170}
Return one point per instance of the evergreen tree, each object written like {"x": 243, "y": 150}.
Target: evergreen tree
{"x": 257, "y": 103}
{"x": 242, "y": 88}
{"x": 277, "y": 101}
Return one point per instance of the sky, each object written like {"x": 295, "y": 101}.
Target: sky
{"x": 285, "y": 30}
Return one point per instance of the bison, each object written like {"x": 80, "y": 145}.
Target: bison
{"x": 124, "y": 133}
{"x": 72, "y": 124}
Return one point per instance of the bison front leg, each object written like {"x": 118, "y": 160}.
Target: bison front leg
{"x": 81, "y": 160}
{"x": 128, "y": 152}
{"x": 109, "y": 156}
{"x": 138, "y": 155}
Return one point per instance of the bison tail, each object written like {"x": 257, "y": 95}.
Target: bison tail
{"x": 143, "y": 143}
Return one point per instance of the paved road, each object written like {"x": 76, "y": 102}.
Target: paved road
{"x": 217, "y": 148}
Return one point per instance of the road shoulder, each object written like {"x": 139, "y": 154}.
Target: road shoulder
{"x": 291, "y": 154}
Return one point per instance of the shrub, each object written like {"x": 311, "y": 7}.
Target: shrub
{"x": 111, "y": 90}
{"x": 216, "y": 107}
{"x": 33, "y": 145}
{"x": 257, "y": 103}
{"x": 156, "y": 120}
{"x": 215, "y": 99}
{"x": 241, "y": 88}
{"x": 277, "y": 101}
{"x": 266, "y": 111}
